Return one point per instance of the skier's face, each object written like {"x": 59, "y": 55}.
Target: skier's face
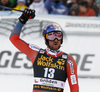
{"x": 54, "y": 45}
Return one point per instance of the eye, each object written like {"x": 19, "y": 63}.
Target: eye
{"x": 49, "y": 33}
{"x": 58, "y": 33}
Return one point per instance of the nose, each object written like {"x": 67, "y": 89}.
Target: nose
{"x": 55, "y": 39}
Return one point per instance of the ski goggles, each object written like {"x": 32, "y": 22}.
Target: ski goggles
{"x": 54, "y": 35}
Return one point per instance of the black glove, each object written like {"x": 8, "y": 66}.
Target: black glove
{"x": 27, "y": 14}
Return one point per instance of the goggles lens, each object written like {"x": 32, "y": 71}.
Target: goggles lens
{"x": 54, "y": 35}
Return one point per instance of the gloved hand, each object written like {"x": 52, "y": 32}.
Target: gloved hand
{"x": 27, "y": 14}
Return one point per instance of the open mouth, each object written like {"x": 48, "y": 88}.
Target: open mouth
{"x": 55, "y": 43}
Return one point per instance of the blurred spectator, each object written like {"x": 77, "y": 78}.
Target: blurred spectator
{"x": 68, "y": 2}
{"x": 85, "y": 10}
{"x": 74, "y": 10}
{"x": 39, "y": 7}
{"x": 20, "y": 5}
{"x": 13, "y": 3}
{"x": 5, "y": 3}
{"x": 71, "y": 2}
{"x": 56, "y": 7}
{"x": 72, "y": 6}
{"x": 90, "y": 3}
{"x": 28, "y": 2}
{"x": 97, "y": 7}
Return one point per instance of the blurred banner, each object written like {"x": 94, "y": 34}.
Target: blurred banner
{"x": 81, "y": 40}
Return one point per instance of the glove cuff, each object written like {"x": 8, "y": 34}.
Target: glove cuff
{"x": 23, "y": 19}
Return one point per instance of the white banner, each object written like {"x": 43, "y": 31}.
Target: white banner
{"x": 81, "y": 40}
{"x": 49, "y": 82}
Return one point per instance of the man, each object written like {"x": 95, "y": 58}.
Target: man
{"x": 51, "y": 66}
{"x": 85, "y": 10}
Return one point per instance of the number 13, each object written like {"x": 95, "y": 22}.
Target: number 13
{"x": 49, "y": 72}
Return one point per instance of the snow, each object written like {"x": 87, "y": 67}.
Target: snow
{"x": 24, "y": 83}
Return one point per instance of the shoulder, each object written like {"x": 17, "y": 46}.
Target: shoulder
{"x": 70, "y": 60}
{"x": 34, "y": 47}
{"x": 91, "y": 10}
{"x": 69, "y": 57}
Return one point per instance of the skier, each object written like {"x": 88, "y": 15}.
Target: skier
{"x": 51, "y": 66}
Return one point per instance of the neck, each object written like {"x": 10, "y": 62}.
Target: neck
{"x": 53, "y": 52}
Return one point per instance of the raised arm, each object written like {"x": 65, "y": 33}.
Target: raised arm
{"x": 15, "y": 36}
{"x": 72, "y": 74}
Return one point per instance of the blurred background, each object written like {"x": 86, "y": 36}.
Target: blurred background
{"x": 80, "y": 21}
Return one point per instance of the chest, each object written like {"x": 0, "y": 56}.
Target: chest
{"x": 50, "y": 67}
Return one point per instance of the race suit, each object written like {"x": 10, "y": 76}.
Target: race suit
{"x": 51, "y": 68}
